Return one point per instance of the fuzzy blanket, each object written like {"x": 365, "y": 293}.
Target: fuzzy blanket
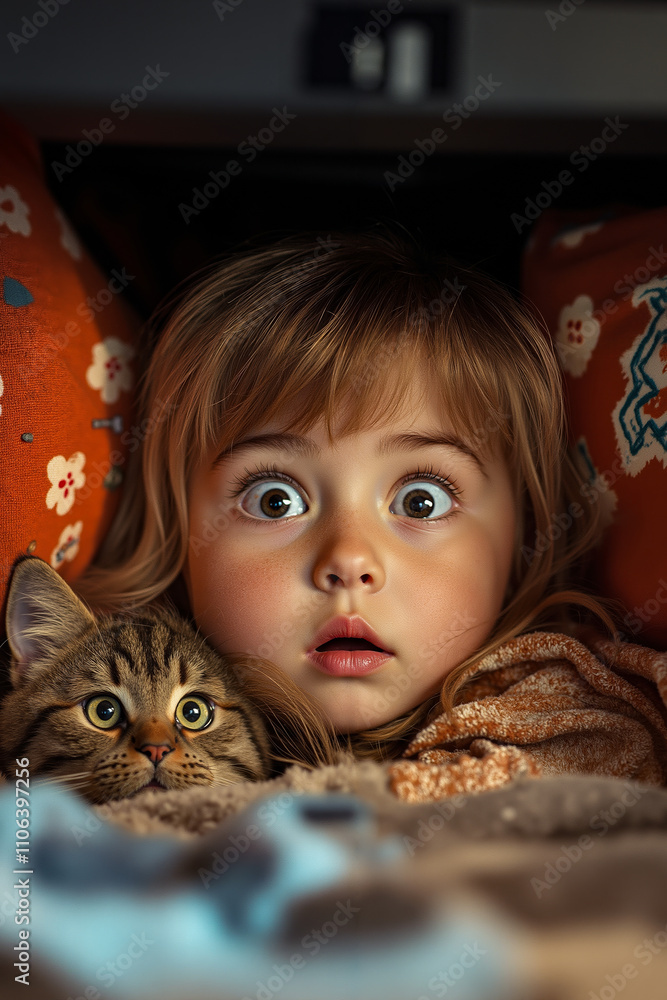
{"x": 563, "y": 876}
{"x": 541, "y": 890}
{"x": 545, "y": 704}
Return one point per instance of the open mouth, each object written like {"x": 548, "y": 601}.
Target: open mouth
{"x": 348, "y": 655}
{"x": 351, "y": 644}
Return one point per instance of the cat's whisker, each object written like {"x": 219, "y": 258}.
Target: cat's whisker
{"x": 72, "y": 776}
{"x": 221, "y": 781}
{"x": 63, "y": 778}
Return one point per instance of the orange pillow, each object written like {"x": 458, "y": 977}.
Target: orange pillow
{"x": 66, "y": 349}
{"x": 600, "y": 281}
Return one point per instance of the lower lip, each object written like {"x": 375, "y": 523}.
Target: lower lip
{"x": 348, "y": 662}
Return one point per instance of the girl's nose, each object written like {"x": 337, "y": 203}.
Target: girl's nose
{"x": 348, "y": 562}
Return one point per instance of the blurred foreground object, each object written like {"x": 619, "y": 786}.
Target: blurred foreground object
{"x": 489, "y": 896}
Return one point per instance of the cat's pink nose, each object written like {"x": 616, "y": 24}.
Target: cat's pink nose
{"x": 155, "y": 752}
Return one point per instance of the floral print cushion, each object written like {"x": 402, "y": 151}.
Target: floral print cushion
{"x": 600, "y": 281}
{"x": 66, "y": 376}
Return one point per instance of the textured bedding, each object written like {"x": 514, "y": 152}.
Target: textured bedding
{"x": 546, "y": 889}
{"x": 518, "y": 852}
{"x": 546, "y": 704}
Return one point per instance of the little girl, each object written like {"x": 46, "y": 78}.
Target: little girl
{"x": 353, "y": 454}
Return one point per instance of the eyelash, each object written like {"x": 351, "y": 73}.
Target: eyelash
{"x": 261, "y": 472}
{"x": 429, "y": 473}
{"x": 241, "y": 483}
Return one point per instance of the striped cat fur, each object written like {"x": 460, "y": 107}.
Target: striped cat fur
{"x": 116, "y": 704}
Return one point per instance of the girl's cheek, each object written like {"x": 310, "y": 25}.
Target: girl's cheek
{"x": 239, "y": 601}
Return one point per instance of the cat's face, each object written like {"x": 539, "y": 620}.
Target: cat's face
{"x": 123, "y": 704}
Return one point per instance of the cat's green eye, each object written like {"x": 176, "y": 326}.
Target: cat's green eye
{"x": 104, "y": 711}
{"x": 193, "y": 712}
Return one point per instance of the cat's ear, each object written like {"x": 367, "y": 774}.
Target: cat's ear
{"x": 43, "y": 614}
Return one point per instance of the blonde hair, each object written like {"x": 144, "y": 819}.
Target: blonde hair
{"x": 305, "y": 323}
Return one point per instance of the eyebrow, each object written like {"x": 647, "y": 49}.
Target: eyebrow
{"x": 294, "y": 444}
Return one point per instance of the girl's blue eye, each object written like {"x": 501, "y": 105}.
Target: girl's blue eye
{"x": 422, "y": 500}
{"x": 274, "y": 500}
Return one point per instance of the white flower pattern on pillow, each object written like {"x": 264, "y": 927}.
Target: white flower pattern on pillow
{"x": 16, "y": 216}
{"x": 66, "y": 478}
{"x": 68, "y": 544}
{"x": 110, "y": 371}
{"x": 573, "y": 237}
{"x": 577, "y": 335}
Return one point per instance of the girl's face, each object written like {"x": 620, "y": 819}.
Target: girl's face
{"x": 401, "y": 531}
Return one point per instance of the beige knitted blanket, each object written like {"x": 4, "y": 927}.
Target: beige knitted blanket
{"x": 545, "y": 704}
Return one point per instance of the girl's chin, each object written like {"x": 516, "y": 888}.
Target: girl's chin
{"x": 355, "y": 719}
{"x": 362, "y": 710}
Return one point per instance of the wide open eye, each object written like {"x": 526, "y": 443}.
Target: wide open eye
{"x": 104, "y": 711}
{"x": 422, "y": 500}
{"x": 274, "y": 500}
{"x": 193, "y": 712}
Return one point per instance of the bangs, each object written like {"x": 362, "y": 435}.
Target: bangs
{"x": 345, "y": 339}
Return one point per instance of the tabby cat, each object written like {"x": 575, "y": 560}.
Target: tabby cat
{"x": 116, "y": 704}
